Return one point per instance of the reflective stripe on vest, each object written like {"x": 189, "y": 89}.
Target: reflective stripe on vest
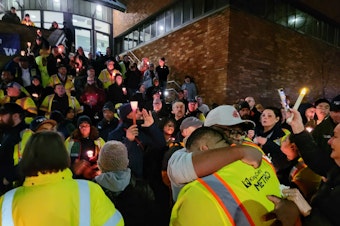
{"x": 114, "y": 220}
{"x": 227, "y": 199}
{"x": 6, "y": 210}
{"x": 84, "y": 207}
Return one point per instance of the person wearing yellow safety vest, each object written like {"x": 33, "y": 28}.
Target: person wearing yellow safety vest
{"x": 39, "y": 123}
{"x": 234, "y": 195}
{"x": 63, "y": 78}
{"x": 49, "y": 195}
{"x": 84, "y": 145}
{"x": 60, "y": 101}
{"x": 107, "y": 75}
{"x": 184, "y": 167}
{"x": 16, "y": 95}
{"x": 41, "y": 62}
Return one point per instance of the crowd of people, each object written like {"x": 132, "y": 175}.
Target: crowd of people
{"x": 73, "y": 140}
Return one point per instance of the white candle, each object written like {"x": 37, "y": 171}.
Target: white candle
{"x": 134, "y": 105}
{"x": 299, "y": 100}
{"x": 89, "y": 153}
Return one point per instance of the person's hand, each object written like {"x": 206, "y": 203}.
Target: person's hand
{"x": 90, "y": 171}
{"x": 5, "y": 181}
{"x": 251, "y": 134}
{"x": 294, "y": 195}
{"x": 261, "y": 140}
{"x": 148, "y": 119}
{"x": 285, "y": 213}
{"x": 296, "y": 122}
{"x": 251, "y": 156}
{"x": 132, "y": 132}
{"x": 79, "y": 166}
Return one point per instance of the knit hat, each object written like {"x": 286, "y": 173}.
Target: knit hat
{"x": 335, "y": 103}
{"x": 109, "y": 106}
{"x": 242, "y": 104}
{"x": 124, "y": 110}
{"x": 113, "y": 157}
{"x": 39, "y": 121}
{"x": 190, "y": 121}
{"x": 224, "y": 115}
{"x": 84, "y": 118}
{"x": 322, "y": 100}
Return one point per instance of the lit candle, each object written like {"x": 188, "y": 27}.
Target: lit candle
{"x": 134, "y": 105}
{"x": 124, "y": 90}
{"x": 297, "y": 104}
{"x": 89, "y": 154}
{"x": 299, "y": 100}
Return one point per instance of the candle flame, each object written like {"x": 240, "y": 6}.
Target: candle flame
{"x": 303, "y": 91}
{"x": 134, "y": 105}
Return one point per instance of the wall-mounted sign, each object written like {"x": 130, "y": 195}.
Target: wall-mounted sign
{"x": 9, "y": 44}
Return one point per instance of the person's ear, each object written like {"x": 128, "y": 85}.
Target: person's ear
{"x": 204, "y": 147}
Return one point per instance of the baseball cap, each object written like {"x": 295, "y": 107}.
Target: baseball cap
{"x": 335, "y": 103}
{"x": 14, "y": 85}
{"x": 224, "y": 115}
{"x": 109, "y": 106}
{"x": 39, "y": 121}
{"x": 190, "y": 121}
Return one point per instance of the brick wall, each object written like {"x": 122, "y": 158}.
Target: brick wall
{"x": 264, "y": 56}
{"x": 137, "y": 10}
{"x": 232, "y": 55}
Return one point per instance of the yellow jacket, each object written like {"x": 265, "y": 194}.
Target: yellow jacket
{"x": 45, "y": 77}
{"x": 56, "y": 199}
{"x": 106, "y": 78}
{"x": 69, "y": 86}
{"x": 46, "y": 105}
{"x": 19, "y": 147}
{"x": 26, "y": 103}
{"x": 240, "y": 187}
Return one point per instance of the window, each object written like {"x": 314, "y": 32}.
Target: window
{"x": 198, "y": 8}
{"x": 160, "y": 25}
{"x": 83, "y": 39}
{"x": 81, "y": 21}
{"x": 168, "y": 20}
{"x": 102, "y": 42}
{"x": 147, "y": 32}
{"x": 178, "y": 14}
{"x": 186, "y": 11}
{"x": 101, "y": 26}
{"x": 49, "y": 17}
{"x": 35, "y": 16}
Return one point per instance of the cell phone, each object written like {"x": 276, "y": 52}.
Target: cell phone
{"x": 283, "y": 98}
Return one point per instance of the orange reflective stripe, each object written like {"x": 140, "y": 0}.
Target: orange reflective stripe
{"x": 227, "y": 199}
{"x": 203, "y": 182}
{"x": 245, "y": 212}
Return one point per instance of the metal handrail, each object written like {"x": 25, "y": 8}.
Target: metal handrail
{"x": 173, "y": 81}
{"x": 134, "y": 56}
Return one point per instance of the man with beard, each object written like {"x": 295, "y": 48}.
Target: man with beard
{"x": 12, "y": 123}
